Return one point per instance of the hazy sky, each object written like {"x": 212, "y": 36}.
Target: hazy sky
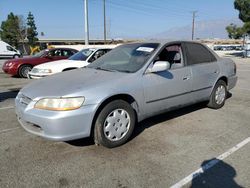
{"x": 125, "y": 18}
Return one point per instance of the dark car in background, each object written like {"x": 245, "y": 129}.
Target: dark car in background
{"x": 21, "y": 67}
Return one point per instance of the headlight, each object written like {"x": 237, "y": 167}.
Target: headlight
{"x": 9, "y": 64}
{"x": 44, "y": 70}
{"x": 60, "y": 104}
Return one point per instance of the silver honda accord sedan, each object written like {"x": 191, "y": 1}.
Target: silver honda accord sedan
{"x": 134, "y": 81}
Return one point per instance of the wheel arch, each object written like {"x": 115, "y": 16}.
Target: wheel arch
{"x": 223, "y": 78}
{"x": 67, "y": 69}
{"x": 21, "y": 65}
{"x": 126, "y": 97}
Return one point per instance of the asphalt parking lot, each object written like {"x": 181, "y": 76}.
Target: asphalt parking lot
{"x": 165, "y": 150}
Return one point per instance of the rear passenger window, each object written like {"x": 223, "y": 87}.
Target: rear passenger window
{"x": 197, "y": 53}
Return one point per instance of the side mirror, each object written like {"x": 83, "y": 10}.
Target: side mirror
{"x": 159, "y": 66}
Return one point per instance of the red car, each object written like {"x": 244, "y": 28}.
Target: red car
{"x": 21, "y": 67}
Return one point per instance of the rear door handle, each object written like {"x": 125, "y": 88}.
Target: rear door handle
{"x": 216, "y": 72}
{"x": 186, "y": 78}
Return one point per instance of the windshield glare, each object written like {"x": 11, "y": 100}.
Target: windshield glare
{"x": 125, "y": 58}
{"x": 82, "y": 55}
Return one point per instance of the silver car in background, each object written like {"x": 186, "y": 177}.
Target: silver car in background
{"x": 132, "y": 82}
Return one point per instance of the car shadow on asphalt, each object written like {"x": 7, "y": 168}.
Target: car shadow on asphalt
{"x": 216, "y": 173}
{"x": 81, "y": 142}
{"x": 11, "y": 94}
{"x": 147, "y": 123}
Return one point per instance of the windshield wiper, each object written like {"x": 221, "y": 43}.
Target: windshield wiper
{"x": 100, "y": 68}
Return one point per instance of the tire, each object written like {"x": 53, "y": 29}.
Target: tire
{"x": 23, "y": 71}
{"x": 218, "y": 96}
{"x": 111, "y": 128}
{"x": 16, "y": 56}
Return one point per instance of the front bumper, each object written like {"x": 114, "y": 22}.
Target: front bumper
{"x": 9, "y": 70}
{"x": 36, "y": 75}
{"x": 232, "y": 80}
{"x": 54, "y": 125}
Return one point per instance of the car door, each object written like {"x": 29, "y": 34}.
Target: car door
{"x": 204, "y": 67}
{"x": 171, "y": 88}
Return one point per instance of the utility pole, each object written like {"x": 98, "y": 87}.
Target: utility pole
{"x": 104, "y": 21}
{"x": 86, "y": 22}
{"x": 193, "y": 23}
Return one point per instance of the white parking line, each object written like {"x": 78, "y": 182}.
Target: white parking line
{"x": 7, "y": 130}
{"x": 243, "y": 70}
{"x": 204, "y": 168}
{"x": 8, "y": 107}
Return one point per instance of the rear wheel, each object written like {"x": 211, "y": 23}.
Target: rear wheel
{"x": 16, "y": 56}
{"x": 218, "y": 96}
{"x": 114, "y": 124}
{"x": 24, "y": 70}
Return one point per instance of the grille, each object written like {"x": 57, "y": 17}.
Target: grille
{"x": 35, "y": 70}
{"x": 24, "y": 100}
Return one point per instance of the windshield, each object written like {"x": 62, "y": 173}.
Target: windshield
{"x": 125, "y": 58}
{"x": 82, "y": 55}
{"x": 40, "y": 54}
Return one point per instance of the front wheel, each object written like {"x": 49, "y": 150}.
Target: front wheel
{"x": 24, "y": 70}
{"x": 16, "y": 56}
{"x": 114, "y": 124}
{"x": 218, "y": 96}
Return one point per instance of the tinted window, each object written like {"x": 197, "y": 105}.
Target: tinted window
{"x": 197, "y": 53}
{"x": 10, "y": 49}
{"x": 172, "y": 54}
{"x": 82, "y": 55}
{"x": 98, "y": 54}
{"x": 67, "y": 53}
{"x": 56, "y": 52}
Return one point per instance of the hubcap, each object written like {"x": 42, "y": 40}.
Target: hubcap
{"x": 26, "y": 70}
{"x": 116, "y": 125}
{"x": 220, "y": 94}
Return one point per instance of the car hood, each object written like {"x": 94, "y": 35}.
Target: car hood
{"x": 73, "y": 83}
{"x": 25, "y": 59}
{"x": 60, "y": 65}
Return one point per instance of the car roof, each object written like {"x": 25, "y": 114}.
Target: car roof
{"x": 163, "y": 42}
{"x": 62, "y": 49}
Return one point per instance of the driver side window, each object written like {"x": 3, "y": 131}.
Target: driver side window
{"x": 172, "y": 54}
{"x": 54, "y": 53}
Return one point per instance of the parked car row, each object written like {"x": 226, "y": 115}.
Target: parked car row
{"x": 228, "y": 47}
{"x": 7, "y": 51}
{"x": 51, "y": 61}
{"x": 21, "y": 66}
{"x": 78, "y": 60}
{"x": 130, "y": 83}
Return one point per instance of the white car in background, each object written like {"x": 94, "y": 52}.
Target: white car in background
{"x": 78, "y": 60}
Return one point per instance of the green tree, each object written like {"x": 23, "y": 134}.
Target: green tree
{"x": 243, "y": 6}
{"x": 234, "y": 32}
{"x": 10, "y": 30}
{"x": 31, "y": 30}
